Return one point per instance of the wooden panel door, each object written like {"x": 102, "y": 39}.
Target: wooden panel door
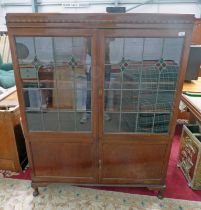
{"x": 138, "y": 102}
{"x": 56, "y": 73}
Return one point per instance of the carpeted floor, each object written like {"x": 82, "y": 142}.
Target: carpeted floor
{"x": 177, "y": 186}
{"x": 17, "y": 195}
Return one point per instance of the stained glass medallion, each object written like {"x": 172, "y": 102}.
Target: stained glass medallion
{"x": 161, "y": 65}
{"x": 123, "y": 65}
{"x": 36, "y": 63}
{"x": 72, "y": 62}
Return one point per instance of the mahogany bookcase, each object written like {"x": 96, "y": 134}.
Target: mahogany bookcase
{"x": 99, "y": 94}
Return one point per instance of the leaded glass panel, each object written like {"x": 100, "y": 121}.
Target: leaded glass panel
{"x": 56, "y": 74}
{"x": 140, "y": 83}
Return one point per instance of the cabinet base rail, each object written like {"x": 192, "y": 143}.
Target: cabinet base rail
{"x": 159, "y": 188}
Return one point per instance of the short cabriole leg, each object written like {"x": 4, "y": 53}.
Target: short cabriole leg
{"x": 160, "y": 190}
{"x": 35, "y": 192}
{"x": 160, "y": 194}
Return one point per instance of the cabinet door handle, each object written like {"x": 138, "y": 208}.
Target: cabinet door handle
{"x": 100, "y": 92}
{"x": 99, "y": 164}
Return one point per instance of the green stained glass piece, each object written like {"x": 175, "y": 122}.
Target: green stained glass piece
{"x": 160, "y": 65}
{"x": 123, "y": 65}
{"x": 72, "y": 62}
{"x": 36, "y": 63}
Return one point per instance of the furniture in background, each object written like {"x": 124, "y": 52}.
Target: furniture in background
{"x": 189, "y": 159}
{"x": 194, "y": 63}
{"x": 7, "y": 79}
{"x": 5, "y": 47}
{"x": 12, "y": 144}
{"x": 122, "y": 78}
{"x": 196, "y": 35}
{"x": 192, "y": 103}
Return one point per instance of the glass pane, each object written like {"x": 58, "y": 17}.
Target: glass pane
{"x": 164, "y": 101}
{"x": 65, "y": 99}
{"x": 149, "y": 77}
{"x": 65, "y": 47}
{"x": 168, "y": 77}
{"x": 172, "y": 49}
{"x": 73, "y": 76}
{"x": 145, "y": 123}
{"x": 46, "y": 76}
{"x": 30, "y": 84}
{"x": 48, "y": 99}
{"x": 129, "y": 100}
{"x": 111, "y": 122}
{"x": 128, "y": 122}
{"x": 56, "y": 74}
{"x": 44, "y": 50}
{"x": 32, "y": 98}
{"x": 140, "y": 83}
{"x": 83, "y": 121}
{"x": 112, "y": 100}
{"x": 152, "y": 49}
{"x": 25, "y": 50}
{"x": 161, "y": 123}
{"x": 51, "y": 122}
{"x": 34, "y": 120}
{"x": 113, "y": 81}
{"x": 67, "y": 121}
{"x": 131, "y": 77}
{"x": 116, "y": 48}
{"x": 147, "y": 100}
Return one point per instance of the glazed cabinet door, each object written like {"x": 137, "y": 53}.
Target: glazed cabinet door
{"x": 140, "y": 76}
{"x": 57, "y": 87}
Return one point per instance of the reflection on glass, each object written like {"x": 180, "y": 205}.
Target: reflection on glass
{"x": 129, "y": 100}
{"x": 139, "y": 89}
{"x": 32, "y": 99}
{"x": 168, "y": 77}
{"x": 111, "y": 122}
{"x": 47, "y": 98}
{"x": 83, "y": 121}
{"x": 128, "y": 122}
{"x": 161, "y": 123}
{"x": 30, "y": 84}
{"x": 112, "y": 100}
{"x": 147, "y": 100}
{"x": 153, "y": 49}
{"x": 67, "y": 121}
{"x": 164, "y": 101}
{"x": 131, "y": 78}
{"x": 34, "y": 120}
{"x": 145, "y": 122}
{"x": 56, "y": 74}
{"x": 50, "y": 121}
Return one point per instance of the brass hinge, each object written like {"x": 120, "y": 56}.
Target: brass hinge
{"x": 99, "y": 164}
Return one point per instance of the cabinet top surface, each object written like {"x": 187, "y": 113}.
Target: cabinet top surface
{"x": 100, "y": 18}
